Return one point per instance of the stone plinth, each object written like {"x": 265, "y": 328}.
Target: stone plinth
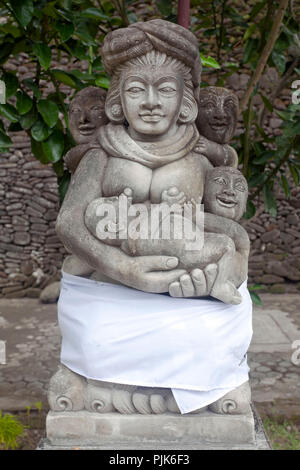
{"x": 207, "y": 430}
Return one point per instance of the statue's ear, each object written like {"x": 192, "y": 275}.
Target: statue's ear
{"x": 114, "y": 111}
{"x": 188, "y": 111}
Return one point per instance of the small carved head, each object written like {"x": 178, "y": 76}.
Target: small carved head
{"x": 226, "y": 192}
{"x": 154, "y": 85}
{"x": 87, "y": 114}
{"x": 218, "y": 114}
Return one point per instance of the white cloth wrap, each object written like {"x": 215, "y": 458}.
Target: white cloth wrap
{"x": 195, "y": 346}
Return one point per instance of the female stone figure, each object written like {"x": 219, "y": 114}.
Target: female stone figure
{"x": 155, "y": 69}
{"x": 149, "y": 147}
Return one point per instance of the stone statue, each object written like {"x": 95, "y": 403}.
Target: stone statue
{"x": 164, "y": 149}
{"x": 225, "y": 197}
{"x": 86, "y": 116}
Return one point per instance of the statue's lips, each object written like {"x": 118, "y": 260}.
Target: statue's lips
{"x": 151, "y": 117}
{"x": 219, "y": 126}
{"x": 86, "y": 129}
{"x": 226, "y": 202}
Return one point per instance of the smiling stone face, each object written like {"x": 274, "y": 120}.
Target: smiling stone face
{"x": 87, "y": 114}
{"x": 226, "y": 192}
{"x": 151, "y": 99}
{"x": 218, "y": 112}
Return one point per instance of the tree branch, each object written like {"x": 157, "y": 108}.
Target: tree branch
{"x": 283, "y": 4}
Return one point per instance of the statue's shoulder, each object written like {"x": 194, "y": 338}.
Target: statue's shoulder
{"x": 84, "y": 152}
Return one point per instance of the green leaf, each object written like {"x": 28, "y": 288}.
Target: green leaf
{"x": 266, "y": 102}
{"x": 65, "y": 30}
{"x": 24, "y": 102}
{"x": 23, "y": 9}
{"x": 279, "y": 61}
{"x": 5, "y": 141}
{"x": 29, "y": 83}
{"x": 28, "y": 119}
{"x": 64, "y": 77}
{"x": 250, "y": 48}
{"x": 256, "y": 179}
{"x": 43, "y": 54}
{"x": 295, "y": 173}
{"x": 103, "y": 82}
{"x": 256, "y": 9}
{"x": 263, "y": 158}
{"x": 255, "y": 298}
{"x": 49, "y": 111}
{"x": 11, "y": 83}
{"x": 209, "y": 62}
{"x": 269, "y": 201}
{"x": 286, "y": 186}
{"x": 38, "y": 152}
{"x": 40, "y": 131}
{"x": 53, "y": 147}
{"x": 94, "y": 14}
{"x": 250, "y": 210}
{"x": 9, "y": 112}
{"x": 250, "y": 30}
{"x": 83, "y": 34}
{"x": 164, "y": 7}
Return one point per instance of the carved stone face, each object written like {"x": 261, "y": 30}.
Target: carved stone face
{"x": 218, "y": 112}
{"x": 151, "y": 99}
{"x": 86, "y": 115}
{"x": 226, "y": 193}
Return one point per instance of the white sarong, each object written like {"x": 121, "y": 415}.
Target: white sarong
{"x": 195, "y": 346}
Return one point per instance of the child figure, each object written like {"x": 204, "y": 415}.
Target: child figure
{"x": 223, "y": 240}
{"x": 216, "y": 123}
{"x": 86, "y": 116}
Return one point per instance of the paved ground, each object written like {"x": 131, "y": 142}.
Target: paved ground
{"x": 32, "y": 342}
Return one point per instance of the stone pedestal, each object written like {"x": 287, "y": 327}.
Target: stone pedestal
{"x": 112, "y": 431}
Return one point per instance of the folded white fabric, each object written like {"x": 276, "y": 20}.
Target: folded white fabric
{"x": 195, "y": 346}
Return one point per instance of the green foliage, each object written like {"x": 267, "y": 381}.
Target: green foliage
{"x": 10, "y": 430}
{"x": 75, "y": 28}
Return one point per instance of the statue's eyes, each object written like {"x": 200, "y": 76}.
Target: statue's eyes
{"x": 76, "y": 110}
{"x": 96, "y": 108}
{"x": 240, "y": 187}
{"x": 135, "y": 90}
{"x": 167, "y": 89}
{"x": 229, "y": 104}
{"x": 220, "y": 180}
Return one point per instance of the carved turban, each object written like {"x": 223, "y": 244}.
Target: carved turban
{"x": 172, "y": 39}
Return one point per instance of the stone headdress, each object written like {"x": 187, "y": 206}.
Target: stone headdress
{"x": 138, "y": 39}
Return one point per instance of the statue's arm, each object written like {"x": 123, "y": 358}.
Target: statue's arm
{"x": 217, "y": 224}
{"x": 217, "y": 154}
{"x": 85, "y": 186}
{"x": 148, "y": 273}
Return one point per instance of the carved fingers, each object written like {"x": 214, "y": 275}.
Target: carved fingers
{"x": 197, "y": 283}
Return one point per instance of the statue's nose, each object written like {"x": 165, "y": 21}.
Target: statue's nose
{"x": 151, "y": 99}
{"x": 84, "y": 117}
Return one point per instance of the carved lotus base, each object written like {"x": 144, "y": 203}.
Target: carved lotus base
{"x": 90, "y": 414}
{"x": 69, "y": 391}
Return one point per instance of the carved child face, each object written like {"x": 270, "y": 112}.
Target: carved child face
{"x": 151, "y": 99}
{"x": 86, "y": 115}
{"x": 226, "y": 193}
{"x": 218, "y": 112}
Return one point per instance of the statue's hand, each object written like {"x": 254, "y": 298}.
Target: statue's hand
{"x": 197, "y": 283}
{"x": 202, "y": 146}
{"x": 152, "y": 273}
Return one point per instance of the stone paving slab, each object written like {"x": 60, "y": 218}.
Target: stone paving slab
{"x": 32, "y": 338}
